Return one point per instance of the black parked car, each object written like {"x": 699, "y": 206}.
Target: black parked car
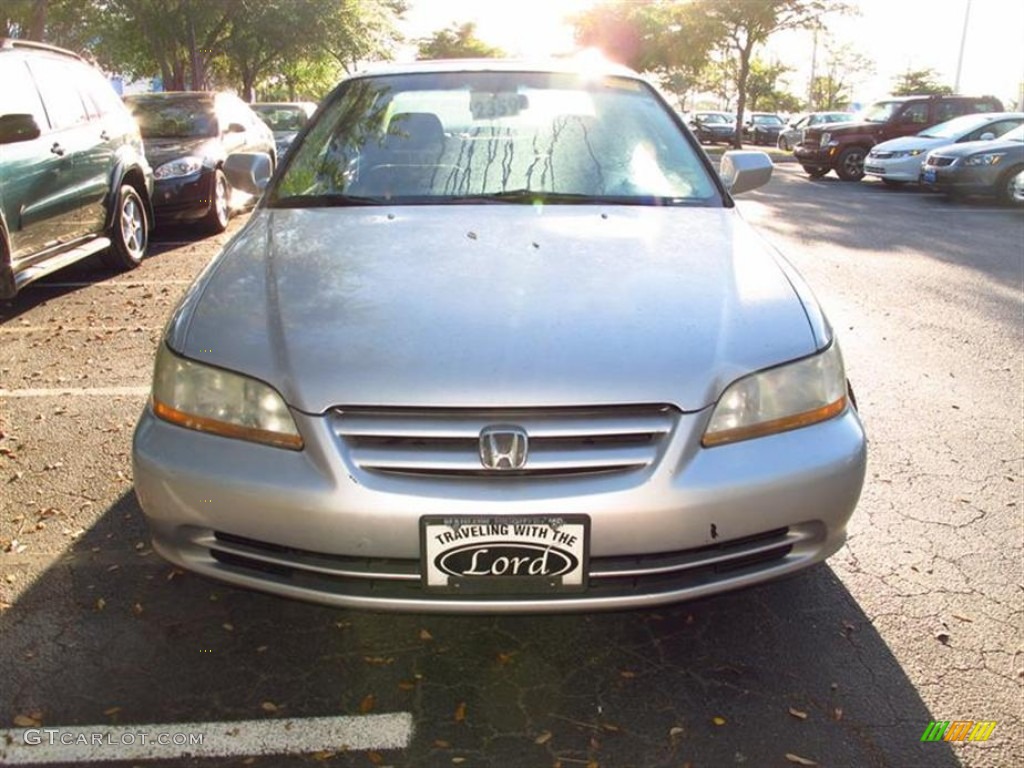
{"x": 712, "y": 127}
{"x": 73, "y": 178}
{"x": 763, "y": 128}
{"x": 188, "y": 136}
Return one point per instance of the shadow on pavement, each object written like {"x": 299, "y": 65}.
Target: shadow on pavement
{"x": 109, "y": 634}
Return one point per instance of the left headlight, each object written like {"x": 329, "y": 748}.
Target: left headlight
{"x": 208, "y": 399}
{"x": 908, "y": 153}
{"x": 779, "y": 399}
{"x": 182, "y": 166}
{"x": 989, "y": 158}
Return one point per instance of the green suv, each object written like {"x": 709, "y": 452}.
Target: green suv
{"x": 73, "y": 177}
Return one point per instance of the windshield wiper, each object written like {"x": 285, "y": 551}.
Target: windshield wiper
{"x": 332, "y": 200}
{"x": 528, "y": 196}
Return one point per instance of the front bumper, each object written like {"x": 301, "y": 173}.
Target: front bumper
{"x": 906, "y": 169}
{"x": 187, "y": 198}
{"x": 813, "y": 156}
{"x": 961, "y": 180}
{"x": 316, "y": 525}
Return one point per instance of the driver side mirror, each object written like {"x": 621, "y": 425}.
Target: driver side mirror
{"x": 986, "y": 136}
{"x": 18, "y": 127}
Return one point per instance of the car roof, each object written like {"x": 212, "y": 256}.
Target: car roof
{"x": 567, "y": 65}
{"x": 15, "y": 44}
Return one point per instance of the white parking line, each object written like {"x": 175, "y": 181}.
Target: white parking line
{"x": 128, "y": 283}
{"x": 78, "y": 744}
{"x": 78, "y": 329}
{"x": 77, "y": 392}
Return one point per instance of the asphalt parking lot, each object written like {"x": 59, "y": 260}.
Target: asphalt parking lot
{"x": 919, "y": 618}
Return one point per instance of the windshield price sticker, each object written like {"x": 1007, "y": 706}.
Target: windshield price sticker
{"x": 527, "y": 554}
{"x": 484, "y": 105}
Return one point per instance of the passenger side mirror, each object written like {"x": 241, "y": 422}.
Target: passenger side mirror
{"x": 248, "y": 171}
{"x": 986, "y": 136}
{"x": 742, "y": 171}
{"x": 18, "y": 127}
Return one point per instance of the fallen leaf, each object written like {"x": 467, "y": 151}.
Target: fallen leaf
{"x": 375, "y": 757}
{"x": 441, "y": 744}
{"x": 675, "y": 731}
{"x": 593, "y": 764}
{"x": 229, "y": 627}
{"x": 611, "y": 727}
{"x": 460, "y": 712}
{"x": 627, "y": 674}
{"x": 100, "y": 604}
{"x": 25, "y": 721}
{"x": 544, "y": 738}
{"x": 837, "y": 714}
{"x": 406, "y": 685}
{"x": 261, "y": 649}
{"x": 458, "y": 760}
{"x": 799, "y": 760}
{"x": 425, "y": 635}
{"x": 112, "y": 711}
{"x": 504, "y": 659}
{"x": 798, "y": 713}
{"x": 323, "y": 757}
{"x": 269, "y": 706}
{"x": 137, "y": 609}
{"x": 718, "y": 720}
{"x": 367, "y": 704}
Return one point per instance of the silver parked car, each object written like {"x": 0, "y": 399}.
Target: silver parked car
{"x": 497, "y": 339}
{"x": 991, "y": 168}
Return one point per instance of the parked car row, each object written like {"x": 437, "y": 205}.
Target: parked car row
{"x": 84, "y": 173}
{"x": 713, "y": 127}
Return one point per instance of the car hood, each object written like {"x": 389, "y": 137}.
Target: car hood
{"x": 159, "y": 151}
{"x": 495, "y": 306}
{"x": 906, "y": 143}
{"x": 993, "y": 145}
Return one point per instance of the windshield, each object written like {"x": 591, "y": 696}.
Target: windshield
{"x": 712, "y": 117}
{"x": 957, "y": 127}
{"x": 767, "y": 120}
{"x": 457, "y": 137}
{"x": 880, "y": 112}
{"x": 161, "y": 118}
{"x": 281, "y": 118}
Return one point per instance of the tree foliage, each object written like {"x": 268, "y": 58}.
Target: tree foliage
{"x": 456, "y": 41}
{"x": 202, "y": 44}
{"x": 844, "y": 66}
{"x": 919, "y": 82}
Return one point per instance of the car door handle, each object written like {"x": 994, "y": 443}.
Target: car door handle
{"x": 57, "y": 149}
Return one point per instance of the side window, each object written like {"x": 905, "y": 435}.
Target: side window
{"x": 61, "y": 98}
{"x": 915, "y": 113}
{"x": 996, "y": 129}
{"x": 99, "y": 94}
{"x": 981, "y": 106}
{"x": 946, "y": 110}
{"x": 20, "y": 94}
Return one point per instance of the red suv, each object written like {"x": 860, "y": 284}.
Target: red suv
{"x": 842, "y": 147}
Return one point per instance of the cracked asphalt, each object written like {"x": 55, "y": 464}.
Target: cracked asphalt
{"x": 917, "y": 618}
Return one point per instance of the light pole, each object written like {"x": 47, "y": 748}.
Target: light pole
{"x": 963, "y": 43}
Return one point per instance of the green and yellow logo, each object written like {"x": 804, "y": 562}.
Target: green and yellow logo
{"x": 958, "y": 730}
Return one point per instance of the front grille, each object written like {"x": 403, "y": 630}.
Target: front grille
{"x": 446, "y": 442}
{"x": 939, "y": 161}
{"x": 608, "y": 576}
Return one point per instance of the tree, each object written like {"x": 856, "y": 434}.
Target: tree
{"x": 762, "y": 84}
{"x": 744, "y": 26}
{"x": 844, "y": 67}
{"x": 919, "y": 82}
{"x": 457, "y": 41}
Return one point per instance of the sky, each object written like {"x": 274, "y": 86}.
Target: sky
{"x": 894, "y": 34}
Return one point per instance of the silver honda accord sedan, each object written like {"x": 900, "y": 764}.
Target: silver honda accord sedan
{"x": 497, "y": 340}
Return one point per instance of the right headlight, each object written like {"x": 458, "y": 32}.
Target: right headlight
{"x": 779, "y": 399}
{"x": 208, "y": 399}
{"x": 182, "y": 166}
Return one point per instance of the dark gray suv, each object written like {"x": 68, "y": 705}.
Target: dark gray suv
{"x": 73, "y": 177}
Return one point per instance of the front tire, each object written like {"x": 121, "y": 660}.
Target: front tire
{"x": 129, "y": 233}
{"x": 850, "y": 164}
{"x": 1007, "y": 188}
{"x": 783, "y": 144}
{"x": 217, "y": 219}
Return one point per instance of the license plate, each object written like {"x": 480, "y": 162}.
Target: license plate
{"x": 505, "y": 555}
{"x": 929, "y": 176}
